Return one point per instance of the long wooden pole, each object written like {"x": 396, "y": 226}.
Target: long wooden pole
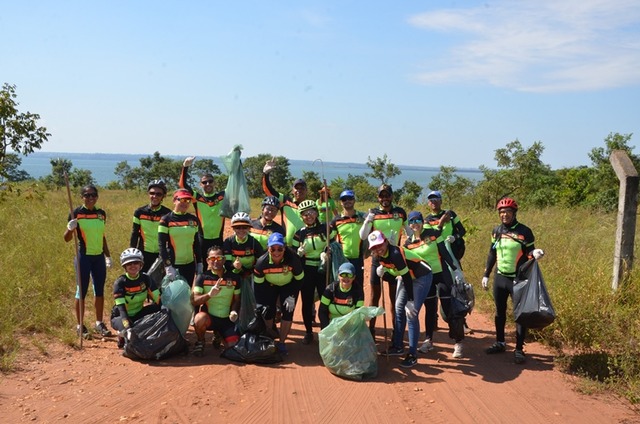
{"x": 77, "y": 263}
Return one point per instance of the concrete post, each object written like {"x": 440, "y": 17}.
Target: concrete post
{"x": 627, "y": 210}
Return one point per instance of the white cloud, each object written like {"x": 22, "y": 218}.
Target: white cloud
{"x": 538, "y": 45}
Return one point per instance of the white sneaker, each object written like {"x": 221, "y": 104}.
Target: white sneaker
{"x": 457, "y": 350}
{"x": 426, "y": 346}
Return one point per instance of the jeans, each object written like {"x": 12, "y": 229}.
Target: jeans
{"x": 421, "y": 286}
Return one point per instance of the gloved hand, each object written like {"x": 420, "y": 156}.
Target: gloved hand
{"x": 369, "y": 218}
{"x": 289, "y": 304}
{"x": 107, "y": 262}
{"x": 237, "y": 264}
{"x": 323, "y": 258}
{"x": 485, "y": 283}
{"x": 171, "y": 272}
{"x": 199, "y": 268}
{"x": 269, "y": 166}
{"x": 72, "y": 224}
{"x": 301, "y": 252}
{"x": 188, "y": 161}
{"x": 450, "y": 239}
{"x": 410, "y": 309}
{"x": 537, "y": 254}
{"x": 233, "y": 316}
{"x": 380, "y": 271}
{"x": 125, "y": 324}
{"x": 393, "y": 237}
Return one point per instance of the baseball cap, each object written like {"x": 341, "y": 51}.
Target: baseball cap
{"x": 435, "y": 194}
{"x": 275, "y": 239}
{"x": 385, "y": 187}
{"x": 347, "y": 193}
{"x": 347, "y": 267}
{"x": 415, "y": 215}
{"x": 376, "y": 238}
{"x": 300, "y": 181}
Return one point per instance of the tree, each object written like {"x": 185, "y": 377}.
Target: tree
{"x": 382, "y": 169}
{"x": 207, "y": 166}
{"x": 151, "y": 168}
{"x": 18, "y": 131}
{"x": 364, "y": 191}
{"x": 452, "y": 186}
{"x": 280, "y": 177}
{"x": 11, "y": 172}
{"x": 314, "y": 184}
{"x": 77, "y": 177}
{"x": 408, "y": 195}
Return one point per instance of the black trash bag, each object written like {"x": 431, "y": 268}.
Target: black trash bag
{"x": 157, "y": 272}
{"x": 531, "y": 302}
{"x": 254, "y": 349}
{"x": 247, "y": 305}
{"x": 154, "y": 336}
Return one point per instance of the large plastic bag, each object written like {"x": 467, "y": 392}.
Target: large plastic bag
{"x": 462, "y": 295}
{"x": 337, "y": 259}
{"x": 247, "y": 305}
{"x": 156, "y": 272}
{"x": 154, "y": 336}
{"x": 176, "y": 296}
{"x": 531, "y": 302}
{"x": 236, "y": 195}
{"x": 346, "y": 346}
{"x": 256, "y": 345}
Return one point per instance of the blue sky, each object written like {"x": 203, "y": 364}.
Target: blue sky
{"x": 428, "y": 83}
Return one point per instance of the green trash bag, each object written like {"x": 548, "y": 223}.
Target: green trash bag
{"x": 337, "y": 259}
{"x": 236, "y": 195}
{"x": 346, "y": 346}
{"x": 176, "y": 297}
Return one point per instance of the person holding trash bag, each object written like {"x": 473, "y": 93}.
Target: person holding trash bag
{"x": 277, "y": 276}
{"x": 346, "y": 229}
{"x": 512, "y": 244}
{"x": 144, "y": 234}
{"x": 88, "y": 222}
{"x": 263, "y": 226}
{"x": 340, "y": 297}
{"x": 130, "y": 292}
{"x": 178, "y": 239}
{"x": 219, "y": 291}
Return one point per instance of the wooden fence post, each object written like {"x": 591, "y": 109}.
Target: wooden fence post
{"x": 627, "y": 209}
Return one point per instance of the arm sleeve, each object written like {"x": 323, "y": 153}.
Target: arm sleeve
{"x": 365, "y": 230}
{"x": 163, "y": 242}
{"x": 268, "y": 188}
{"x": 135, "y": 233}
{"x": 184, "y": 178}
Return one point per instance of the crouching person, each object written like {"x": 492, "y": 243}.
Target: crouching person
{"x": 340, "y": 297}
{"x": 130, "y": 291}
{"x": 216, "y": 298}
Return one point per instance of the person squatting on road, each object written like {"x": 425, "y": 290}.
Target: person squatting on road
{"x": 340, "y": 297}
{"x": 391, "y": 221}
{"x": 144, "y": 234}
{"x": 216, "y": 299}
{"x": 277, "y": 276}
{"x": 512, "y": 244}
{"x": 207, "y": 206}
{"x": 178, "y": 239}
{"x": 88, "y": 222}
{"x": 311, "y": 245}
{"x": 130, "y": 292}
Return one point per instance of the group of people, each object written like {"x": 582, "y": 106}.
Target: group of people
{"x": 286, "y": 261}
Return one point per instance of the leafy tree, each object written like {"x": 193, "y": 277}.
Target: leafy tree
{"x": 151, "y": 168}
{"x": 207, "y": 166}
{"x": 574, "y": 185}
{"x": 314, "y": 184}
{"x": 77, "y": 177}
{"x": 81, "y": 177}
{"x": 408, "y": 195}
{"x": 452, "y": 186}
{"x": 18, "y": 131}
{"x": 382, "y": 169}
{"x": 364, "y": 191}
{"x": 280, "y": 177}
{"x": 11, "y": 164}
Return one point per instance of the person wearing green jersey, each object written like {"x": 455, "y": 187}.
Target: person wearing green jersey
{"x": 207, "y": 206}
{"x": 263, "y": 226}
{"x": 326, "y": 206}
{"x": 144, "y": 234}
{"x": 512, "y": 244}
{"x": 88, "y": 222}
{"x": 216, "y": 295}
{"x": 178, "y": 239}
{"x": 345, "y": 228}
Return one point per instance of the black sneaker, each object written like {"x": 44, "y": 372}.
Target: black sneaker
{"x": 393, "y": 351}
{"x": 85, "y": 333}
{"x": 409, "y": 361}
{"x": 518, "y": 356}
{"x": 103, "y": 330}
{"x": 120, "y": 342}
{"x": 497, "y": 347}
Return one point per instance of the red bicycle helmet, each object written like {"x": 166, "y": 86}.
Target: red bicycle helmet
{"x": 507, "y": 202}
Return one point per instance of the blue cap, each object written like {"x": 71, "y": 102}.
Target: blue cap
{"x": 435, "y": 194}
{"x": 415, "y": 215}
{"x": 347, "y": 267}
{"x": 299, "y": 181}
{"x": 275, "y": 239}
{"x": 347, "y": 193}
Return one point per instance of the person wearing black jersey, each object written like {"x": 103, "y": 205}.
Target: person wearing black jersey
{"x": 144, "y": 234}
{"x": 340, "y": 297}
{"x": 512, "y": 244}
{"x": 130, "y": 293}
{"x": 241, "y": 250}
{"x": 88, "y": 222}
{"x": 264, "y": 226}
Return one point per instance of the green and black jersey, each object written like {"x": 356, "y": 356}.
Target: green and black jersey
{"x": 262, "y": 232}
{"x": 247, "y": 251}
{"x": 178, "y": 241}
{"x": 290, "y": 270}
{"x": 346, "y": 231}
{"x": 130, "y": 294}
{"x": 291, "y": 220}
{"x": 337, "y": 302}
{"x": 144, "y": 235}
{"x": 207, "y": 209}
{"x": 220, "y": 304}
{"x": 511, "y": 247}
{"x": 90, "y": 229}
{"x": 314, "y": 241}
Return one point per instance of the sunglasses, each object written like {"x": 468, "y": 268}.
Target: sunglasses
{"x": 415, "y": 221}
{"x": 206, "y": 182}
{"x": 344, "y": 199}
{"x": 155, "y": 194}
{"x": 308, "y": 213}
{"x": 346, "y": 275}
{"x": 90, "y": 195}
{"x": 276, "y": 249}
{"x": 215, "y": 258}
{"x": 184, "y": 200}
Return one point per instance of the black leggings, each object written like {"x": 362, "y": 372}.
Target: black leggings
{"x": 313, "y": 281}
{"x": 502, "y": 289}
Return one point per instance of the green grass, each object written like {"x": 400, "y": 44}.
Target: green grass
{"x": 596, "y": 334}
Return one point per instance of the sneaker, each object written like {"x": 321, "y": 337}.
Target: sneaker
{"x": 393, "y": 351}
{"x": 426, "y": 347}
{"x": 518, "y": 356}
{"x": 198, "y": 349}
{"x": 457, "y": 350}
{"x": 308, "y": 338}
{"x": 497, "y": 347}
{"x": 282, "y": 348}
{"x": 467, "y": 330}
{"x": 85, "y": 333}
{"x": 409, "y": 361}
{"x": 217, "y": 340}
{"x": 120, "y": 342}
{"x": 103, "y": 330}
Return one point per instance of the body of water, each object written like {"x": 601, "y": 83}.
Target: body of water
{"x": 102, "y": 166}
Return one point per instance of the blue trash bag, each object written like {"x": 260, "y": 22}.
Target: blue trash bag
{"x": 346, "y": 346}
{"x": 236, "y": 194}
{"x": 176, "y": 297}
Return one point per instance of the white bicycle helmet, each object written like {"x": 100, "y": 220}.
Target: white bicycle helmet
{"x": 306, "y": 205}
{"x": 240, "y": 219}
{"x": 131, "y": 255}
